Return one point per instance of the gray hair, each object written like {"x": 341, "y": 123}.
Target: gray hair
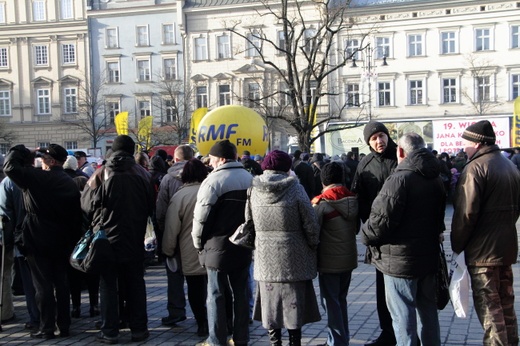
{"x": 411, "y": 141}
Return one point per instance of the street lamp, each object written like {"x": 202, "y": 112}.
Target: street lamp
{"x": 369, "y": 71}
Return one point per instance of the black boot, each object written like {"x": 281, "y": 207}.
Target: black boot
{"x": 295, "y": 337}
{"x": 275, "y": 337}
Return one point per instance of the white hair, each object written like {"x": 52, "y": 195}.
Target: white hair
{"x": 411, "y": 141}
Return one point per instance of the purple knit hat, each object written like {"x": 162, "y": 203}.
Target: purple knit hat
{"x": 277, "y": 160}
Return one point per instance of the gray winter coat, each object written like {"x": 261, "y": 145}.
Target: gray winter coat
{"x": 286, "y": 227}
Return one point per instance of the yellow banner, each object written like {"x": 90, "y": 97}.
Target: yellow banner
{"x": 121, "y": 121}
{"x": 196, "y": 117}
{"x": 515, "y": 132}
{"x": 144, "y": 131}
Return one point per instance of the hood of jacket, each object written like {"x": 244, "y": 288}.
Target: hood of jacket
{"x": 340, "y": 198}
{"x": 176, "y": 169}
{"x": 421, "y": 161}
{"x": 120, "y": 161}
{"x": 273, "y": 184}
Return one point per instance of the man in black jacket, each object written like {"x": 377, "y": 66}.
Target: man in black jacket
{"x": 402, "y": 235}
{"x": 370, "y": 175}
{"x": 51, "y": 227}
{"x": 119, "y": 199}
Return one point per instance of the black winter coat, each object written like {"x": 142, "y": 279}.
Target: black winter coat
{"x": 370, "y": 175}
{"x": 402, "y": 232}
{"x": 52, "y": 223}
{"x": 121, "y": 195}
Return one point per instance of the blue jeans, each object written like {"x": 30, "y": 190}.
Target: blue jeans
{"x": 216, "y": 304}
{"x": 413, "y": 309}
{"x": 333, "y": 291}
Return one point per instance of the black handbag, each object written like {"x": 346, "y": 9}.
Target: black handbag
{"x": 443, "y": 281}
{"x": 245, "y": 234}
{"x": 91, "y": 252}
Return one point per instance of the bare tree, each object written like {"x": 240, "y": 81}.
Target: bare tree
{"x": 480, "y": 95}
{"x": 7, "y": 135}
{"x": 308, "y": 56}
{"x": 92, "y": 117}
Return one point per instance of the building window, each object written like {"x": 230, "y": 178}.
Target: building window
{"x": 5, "y": 103}
{"x": 170, "y": 69}
{"x": 352, "y": 49}
{"x": 309, "y": 36}
{"x": 281, "y": 41}
{"x": 4, "y": 148}
{"x": 449, "y": 90}
{"x": 202, "y": 96}
{"x": 171, "y": 110}
{"x": 2, "y": 12}
{"x": 41, "y": 56}
{"x": 482, "y": 39}
{"x": 416, "y": 92}
{"x": 70, "y": 145}
{"x": 113, "y": 74}
{"x": 71, "y": 100}
{"x": 415, "y": 45}
{"x": 384, "y": 94}
{"x": 68, "y": 52}
{"x": 43, "y": 144}
{"x": 143, "y": 70}
{"x": 201, "y": 49}
{"x": 168, "y": 34}
{"x": 253, "y": 44}
{"x": 223, "y": 47}
{"x": 382, "y": 47}
{"x": 144, "y": 109}
{"x": 448, "y": 42}
{"x": 253, "y": 94}
{"x": 141, "y": 36}
{"x": 224, "y": 95}
{"x": 4, "y": 61}
{"x": 515, "y": 86}
{"x": 515, "y": 34}
{"x": 483, "y": 88}
{"x": 43, "y": 101}
{"x": 66, "y": 9}
{"x": 352, "y": 95}
{"x": 285, "y": 97}
{"x": 113, "y": 110}
{"x": 111, "y": 38}
{"x": 38, "y": 10}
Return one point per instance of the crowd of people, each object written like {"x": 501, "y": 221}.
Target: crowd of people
{"x": 307, "y": 211}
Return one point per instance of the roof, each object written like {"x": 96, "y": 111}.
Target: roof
{"x": 210, "y": 3}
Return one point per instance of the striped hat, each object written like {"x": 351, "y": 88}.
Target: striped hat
{"x": 480, "y": 132}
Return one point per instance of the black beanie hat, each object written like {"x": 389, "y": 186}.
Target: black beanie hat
{"x": 481, "y": 132}
{"x": 374, "y": 127}
{"x": 124, "y": 143}
{"x": 332, "y": 173}
{"x": 224, "y": 149}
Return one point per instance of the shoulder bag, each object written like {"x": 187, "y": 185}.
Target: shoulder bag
{"x": 245, "y": 234}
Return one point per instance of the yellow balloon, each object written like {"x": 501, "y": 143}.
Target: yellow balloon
{"x": 241, "y": 125}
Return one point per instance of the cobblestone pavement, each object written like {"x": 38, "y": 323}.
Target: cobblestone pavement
{"x": 361, "y": 309}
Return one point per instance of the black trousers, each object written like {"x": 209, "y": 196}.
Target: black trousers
{"x": 52, "y": 291}
{"x": 197, "y": 293}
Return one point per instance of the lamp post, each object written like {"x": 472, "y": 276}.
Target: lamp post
{"x": 369, "y": 71}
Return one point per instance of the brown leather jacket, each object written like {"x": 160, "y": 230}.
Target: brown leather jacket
{"x": 487, "y": 206}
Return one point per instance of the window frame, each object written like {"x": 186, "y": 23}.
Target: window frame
{"x": 112, "y": 111}
{"x": 308, "y": 39}
{"x": 515, "y": 85}
{"x": 253, "y": 94}
{"x": 66, "y": 8}
{"x": 142, "y": 37}
{"x": 171, "y": 110}
{"x": 5, "y": 103}
{"x": 416, "y": 92}
{"x": 70, "y": 101}
{"x": 108, "y": 38}
{"x": 66, "y": 56}
{"x": 168, "y": 36}
{"x": 415, "y": 43}
{"x": 201, "y": 98}
{"x": 200, "y": 46}
{"x": 352, "y": 46}
{"x": 253, "y": 42}
{"x": 483, "y": 39}
{"x": 111, "y": 76}
{"x": 172, "y": 67}
{"x": 448, "y": 44}
{"x": 224, "y": 96}
{"x": 4, "y": 57}
{"x": 43, "y": 100}
{"x": 224, "y": 48}
{"x": 382, "y": 49}
{"x": 483, "y": 86}
{"x": 450, "y": 90}
{"x": 356, "y": 95}
{"x": 388, "y": 91}
{"x": 515, "y": 36}
{"x": 144, "y": 107}
{"x": 39, "y": 10}
{"x": 41, "y": 55}
{"x": 144, "y": 70}
{"x": 70, "y": 145}
{"x": 2, "y": 13}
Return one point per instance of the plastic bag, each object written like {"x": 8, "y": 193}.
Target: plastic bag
{"x": 150, "y": 240}
{"x": 443, "y": 281}
{"x": 459, "y": 285}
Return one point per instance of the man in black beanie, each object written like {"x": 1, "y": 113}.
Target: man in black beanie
{"x": 119, "y": 199}
{"x": 487, "y": 206}
{"x": 368, "y": 180}
{"x": 219, "y": 211}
